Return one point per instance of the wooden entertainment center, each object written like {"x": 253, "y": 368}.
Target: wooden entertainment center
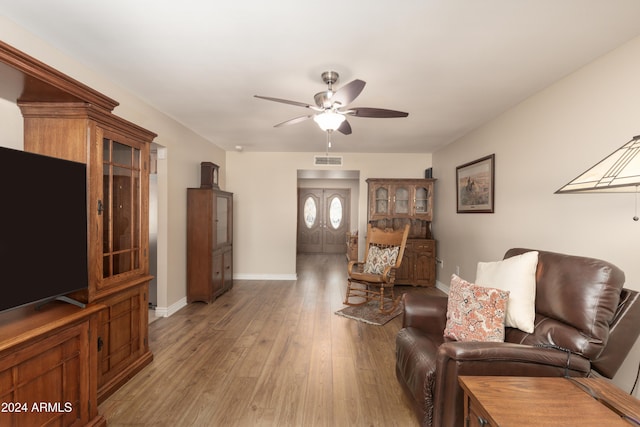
{"x": 96, "y": 349}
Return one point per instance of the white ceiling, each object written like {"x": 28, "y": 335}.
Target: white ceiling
{"x": 452, "y": 64}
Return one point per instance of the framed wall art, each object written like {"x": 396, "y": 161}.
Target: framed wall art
{"x": 475, "y": 186}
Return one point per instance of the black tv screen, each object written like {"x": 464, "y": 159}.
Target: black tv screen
{"x": 43, "y": 228}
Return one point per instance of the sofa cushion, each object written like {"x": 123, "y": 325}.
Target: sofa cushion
{"x": 518, "y": 276}
{"x": 475, "y": 313}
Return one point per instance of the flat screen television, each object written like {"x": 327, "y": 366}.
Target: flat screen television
{"x": 43, "y": 228}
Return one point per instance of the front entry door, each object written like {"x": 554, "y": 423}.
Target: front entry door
{"x": 323, "y": 220}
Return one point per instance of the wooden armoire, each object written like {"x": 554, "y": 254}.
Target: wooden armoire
{"x": 209, "y": 240}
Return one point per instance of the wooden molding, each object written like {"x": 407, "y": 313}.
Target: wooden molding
{"x": 44, "y": 83}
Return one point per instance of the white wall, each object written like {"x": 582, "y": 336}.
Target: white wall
{"x": 540, "y": 145}
{"x": 265, "y": 203}
{"x": 11, "y": 125}
{"x": 180, "y": 169}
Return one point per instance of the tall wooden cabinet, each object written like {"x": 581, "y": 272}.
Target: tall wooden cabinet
{"x": 209, "y": 243}
{"x": 116, "y": 153}
{"x": 395, "y": 202}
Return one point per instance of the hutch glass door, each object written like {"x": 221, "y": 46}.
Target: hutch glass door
{"x": 121, "y": 208}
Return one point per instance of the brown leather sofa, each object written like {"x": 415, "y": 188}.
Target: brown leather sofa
{"x": 585, "y": 325}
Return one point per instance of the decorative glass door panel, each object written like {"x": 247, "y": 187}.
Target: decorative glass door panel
{"x": 310, "y": 212}
{"x": 335, "y": 212}
{"x": 422, "y": 200}
{"x": 382, "y": 201}
{"x": 121, "y": 208}
{"x": 222, "y": 236}
{"x": 401, "y": 199}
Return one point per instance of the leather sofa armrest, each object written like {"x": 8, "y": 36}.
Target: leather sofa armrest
{"x": 483, "y": 358}
{"x": 425, "y": 312}
{"x": 496, "y": 358}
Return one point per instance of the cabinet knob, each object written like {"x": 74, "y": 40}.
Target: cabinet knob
{"x": 482, "y": 422}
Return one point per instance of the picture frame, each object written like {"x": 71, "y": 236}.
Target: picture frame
{"x": 475, "y": 186}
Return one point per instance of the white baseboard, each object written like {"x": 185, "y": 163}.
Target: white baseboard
{"x": 265, "y": 276}
{"x": 444, "y": 288}
{"x": 168, "y": 311}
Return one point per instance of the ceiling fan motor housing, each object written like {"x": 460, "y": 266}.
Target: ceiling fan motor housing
{"x": 323, "y": 99}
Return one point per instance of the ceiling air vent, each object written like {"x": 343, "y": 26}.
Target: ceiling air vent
{"x": 327, "y": 160}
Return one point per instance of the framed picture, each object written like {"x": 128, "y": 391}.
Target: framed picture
{"x": 474, "y": 186}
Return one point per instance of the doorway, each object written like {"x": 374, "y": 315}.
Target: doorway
{"x": 323, "y": 220}
{"x": 157, "y": 231}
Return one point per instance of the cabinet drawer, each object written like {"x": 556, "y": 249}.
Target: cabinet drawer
{"x": 421, "y": 247}
{"x": 477, "y": 418}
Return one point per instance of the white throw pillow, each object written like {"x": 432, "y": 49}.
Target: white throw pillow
{"x": 518, "y": 276}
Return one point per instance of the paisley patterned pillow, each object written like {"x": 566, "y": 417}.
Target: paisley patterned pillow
{"x": 378, "y": 259}
{"x": 475, "y": 313}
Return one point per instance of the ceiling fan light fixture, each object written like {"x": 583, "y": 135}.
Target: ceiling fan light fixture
{"x": 329, "y": 120}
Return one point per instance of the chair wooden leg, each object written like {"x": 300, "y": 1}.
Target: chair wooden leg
{"x": 394, "y": 301}
{"x": 348, "y": 295}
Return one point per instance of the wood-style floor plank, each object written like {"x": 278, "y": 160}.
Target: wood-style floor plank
{"x": 268, "y": 353}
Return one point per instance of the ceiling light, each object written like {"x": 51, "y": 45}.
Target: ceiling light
{"x": 329, "y": 120}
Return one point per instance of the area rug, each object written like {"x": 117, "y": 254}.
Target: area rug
{"x": 369, "y": 313}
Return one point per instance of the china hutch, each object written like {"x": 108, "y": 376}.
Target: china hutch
{"x": 209, "y": 238}
{"x": 395, "y": 202}
{"x": 108, "y": 340}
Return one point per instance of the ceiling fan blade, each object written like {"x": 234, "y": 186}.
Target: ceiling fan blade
{"x": 347, "y": 93}
{"x": 345, "y": 128}
{"x": 284, "y": 101}
{"x": 378, "y": 113}
{"x": 294, "y": 121}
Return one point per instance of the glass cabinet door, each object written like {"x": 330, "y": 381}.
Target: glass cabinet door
{"x": 121, "y": 203}
{"x": 381, "y": 201}
{"x": 401, "y": 205}
{"x": 422, "y": 200}
{"x": 222, "y": 209}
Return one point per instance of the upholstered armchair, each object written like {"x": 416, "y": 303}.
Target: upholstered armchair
{"x": 585, "y": 324}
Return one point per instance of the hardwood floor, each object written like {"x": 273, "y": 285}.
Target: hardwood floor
{"x": 268, "y": 353}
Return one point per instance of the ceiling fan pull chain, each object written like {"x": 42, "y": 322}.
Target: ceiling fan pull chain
{"x": 328, "y": 143}
{"x": 635, "y": 217}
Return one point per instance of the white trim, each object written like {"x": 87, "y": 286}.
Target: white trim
{"x": 242, "y": 276}
{"x": 444, "y": 288}
{"x": 172, "y": 309}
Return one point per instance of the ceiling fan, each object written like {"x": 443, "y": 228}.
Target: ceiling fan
{"x": 331, "y": 109}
